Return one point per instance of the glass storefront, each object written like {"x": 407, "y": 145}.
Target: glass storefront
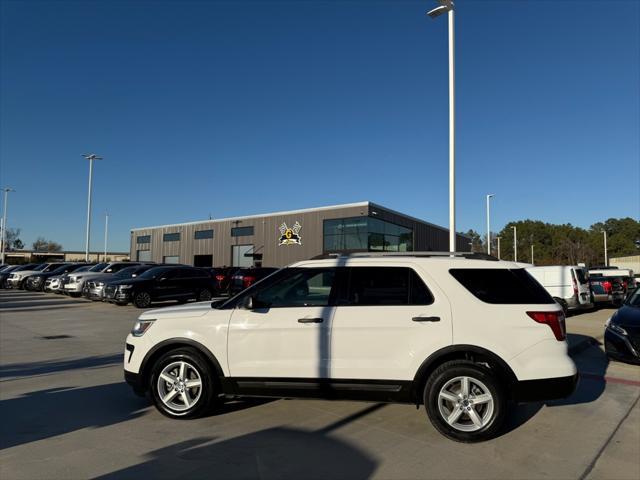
{"x": 366, "y": 234}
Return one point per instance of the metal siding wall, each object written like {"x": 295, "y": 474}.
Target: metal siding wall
{"x": 267, "y": 233}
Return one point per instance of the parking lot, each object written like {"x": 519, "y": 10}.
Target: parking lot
{"x": 67, "y": 413}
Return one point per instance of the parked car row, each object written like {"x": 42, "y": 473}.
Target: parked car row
{"x": 140, "y": 283}
{"x": 578, "y": 288}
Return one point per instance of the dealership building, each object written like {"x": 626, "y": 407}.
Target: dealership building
{"x": 278, "y": 239}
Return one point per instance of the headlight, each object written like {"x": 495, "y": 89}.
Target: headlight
{"x": 617, "y": 328}
{"x": 100, "y": 284}
{"x": 125, "y": 287}
{"x": 140, "y": 327}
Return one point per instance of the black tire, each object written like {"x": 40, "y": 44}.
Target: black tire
{"x": 142, "y": 299}
{"x": 205, "y": 397}
{"x": 490, "y": 415}
{"x": 204, "y": 295}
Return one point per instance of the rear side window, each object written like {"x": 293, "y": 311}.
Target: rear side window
{"x": 386, "y": 286}
{"x": 582, "y": 278}
{"x": 502, "y": 286}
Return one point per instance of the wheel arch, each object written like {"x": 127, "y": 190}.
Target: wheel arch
{"x": 473, "y": 353}
{"x": 172, "y": 344}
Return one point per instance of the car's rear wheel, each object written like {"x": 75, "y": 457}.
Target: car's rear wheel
{"x": 204, "y": 295}
{"x": 465, "y": 401}
{"x": 183, "y": 384}
{"x": 142, "y": 299}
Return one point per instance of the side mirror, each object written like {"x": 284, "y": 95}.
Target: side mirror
{"x": 247, "y": 303}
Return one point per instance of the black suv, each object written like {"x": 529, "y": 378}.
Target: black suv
{"x": 245, "y": 277}
{"x": 179, "y": 283}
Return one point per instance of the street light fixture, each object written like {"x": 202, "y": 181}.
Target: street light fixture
{"x": 91, "y": 157}
{"x": 3, "y": 239}
{"x": 489, "y": 224}
{"x": 446, "y": 6}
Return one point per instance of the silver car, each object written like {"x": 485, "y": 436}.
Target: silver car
{"x": 74, "y": 285}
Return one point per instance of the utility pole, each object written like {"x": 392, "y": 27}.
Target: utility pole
{"x": 489, "y": 224}
{"x": 515, "y": 243}
{"x": 447, "y": 6}
{"x": 91, "y": 157}
{"x": 606, "y": 256}
{"x": 106, "y": 234}
{"x": 532, "y": 254}
{"x": 6, "y": 191}
{"x": 498, "y": 238}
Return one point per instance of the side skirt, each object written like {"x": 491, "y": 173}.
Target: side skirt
{"x": 394, "y": 391}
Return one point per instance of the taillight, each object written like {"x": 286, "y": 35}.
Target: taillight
{"x": 219, "y": 278}
{"x": 607, "y": 286}
{"x": 247, "y": 280}
{"x": 575, "y": 286}
{"x": 555, "y": 320}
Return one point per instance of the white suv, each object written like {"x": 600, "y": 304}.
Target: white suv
{"x": 463, "y": 335}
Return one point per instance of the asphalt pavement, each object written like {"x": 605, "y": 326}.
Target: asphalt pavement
{"x": 65, "y": 412}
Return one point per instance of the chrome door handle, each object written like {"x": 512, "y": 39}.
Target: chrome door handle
{"x": 310, "y": 320}
{"x": 426, "y": 319}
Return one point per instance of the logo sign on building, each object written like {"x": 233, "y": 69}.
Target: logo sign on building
{"x": 290, "y": 235}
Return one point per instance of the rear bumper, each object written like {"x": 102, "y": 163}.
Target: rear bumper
{"x": 545, "y": 389}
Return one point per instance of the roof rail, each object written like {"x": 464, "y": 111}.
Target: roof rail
{"x": 466, "y": 255}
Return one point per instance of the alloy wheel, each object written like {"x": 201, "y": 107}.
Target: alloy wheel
{"x": 179, "y": 386}
{"x": 466, "y": 404}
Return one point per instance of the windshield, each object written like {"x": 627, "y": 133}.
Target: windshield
{"x": 99, "y": 267}
{"x": 154, "y": 272}
{"x": 40, "y": 267}
{"x": 126, "y": 272}
{"x": 634, "y": 298}
{"x": 61, "y": 269}
{"x": 83, "y": 269}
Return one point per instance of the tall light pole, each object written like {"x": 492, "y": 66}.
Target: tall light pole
{"x": 532, "y": 254}
{"x": 91, "y": 157}
{"x": 489, "y": 223}
{"x": 6, "y": 191}
{"x": 106, "y": 234}
{"x": 447, "y": 6}
{"x": 515, "y": 243}
{"x": 498, "y": 239}
{"x": 606, "y": 256}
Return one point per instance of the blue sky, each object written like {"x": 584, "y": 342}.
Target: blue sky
{"x": 231, "y": 108}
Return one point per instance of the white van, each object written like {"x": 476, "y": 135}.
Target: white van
{"x": 568, "y": 285}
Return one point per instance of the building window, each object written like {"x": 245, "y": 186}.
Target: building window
{"x": 202, "y": 234}
{"x": 242, "y": 255}
{"x": 171, "y": 259}
{"x": 143, "y": 239}
{"x": 171, "y": 237}
{"x": 241, "y": 231}
{"x": 366, "y": 234}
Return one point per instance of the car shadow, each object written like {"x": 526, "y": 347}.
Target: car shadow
{"x": 56, "y": 411}
{"x": 280, "y": 452}
{"x": 43, "y": 368}
{"x": 592, "y": 364}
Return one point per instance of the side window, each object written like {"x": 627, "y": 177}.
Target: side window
{"x": 303, "y": 287}
{"x": 386, "y": 286}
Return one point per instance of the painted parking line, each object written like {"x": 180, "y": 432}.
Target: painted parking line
{"x": 606, "y": 379}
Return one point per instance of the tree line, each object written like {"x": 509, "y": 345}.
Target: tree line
{"x": 563, "y": 244}
{"x": 41, "y": 244}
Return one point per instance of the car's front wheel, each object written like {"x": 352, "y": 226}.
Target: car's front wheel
{"x": 142, "y": 299}
{"x": 183, "y": 384}
{"x": 465, "y": 401}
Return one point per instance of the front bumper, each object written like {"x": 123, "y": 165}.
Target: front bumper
{"x": 136, "y": 383}
{"x": 621, "y": 347}
{"x": 73, "y": 287}
{"x": 13, "y": 282}
{"x": 545, "y": 389}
